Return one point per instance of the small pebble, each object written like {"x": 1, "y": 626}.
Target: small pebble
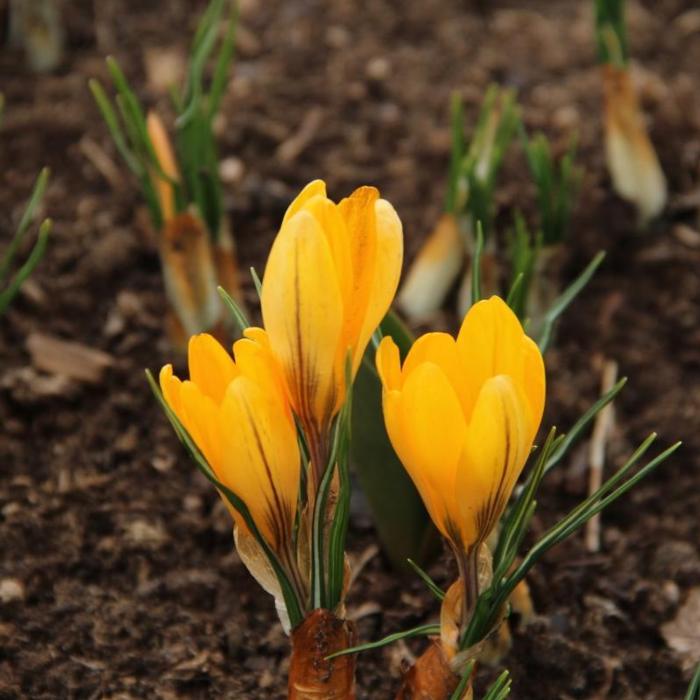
{"x": 231, "y": 170}
{"x": 11, "y": 590}
{"x": 378, "y": 69}
{"x": 337, "y": 37}
{"x": 163, "y": 462}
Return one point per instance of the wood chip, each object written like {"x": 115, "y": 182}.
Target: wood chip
{"x": 62, "y": 357}
{"x": 687, "y": 236}
{"x": 11, "y": 590}
{"x": 682, "y": 633}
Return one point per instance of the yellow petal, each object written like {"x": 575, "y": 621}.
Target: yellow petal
{"x": 260, "y": 460}
{"x": 441, "y": 349}
{"x": 398, "y": 430}
{"x": 491, "y": 341}
{"x": 259, "y": 335}
{"x": 201, "y": 420}
{"x": 329, "y": 218}
{"x": 534, "y": 385}
{"x": 196, "y": 412}
{"x": 255, "y": 360}
{"x": 388, "y": 361}
{"x": 302, "y": 310}
{"x": 358, "y": 211}
{"x": 170, "y": 386}
{"x": 433, "y": 426}
{"x": 388, "y": 257}
{"x": 496, "y": 448}
{"x": 313, "y": 189}
{"x": 211, "y": 367}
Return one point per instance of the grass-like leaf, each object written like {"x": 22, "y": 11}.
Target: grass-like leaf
{"x": 523, "y": 249}
{"x": 557, "y": 184}
{"x": 256, "y": 282}
{"x": 694, "y": 687}
{"x": 500, "y": 689}
{"x": 562, "y": 303}
{"x": 610, "y": 31}
{"x": 476, "y": 263}
{"x": 582, "y": 423}
{"x": 456, "y": 152}
{"x": 423, "y": 575}
{"x": 34, "y": 200}
{"x": 341, "y": 517}
{"x": 236, "y": 311}
{"x": 420, "y": 631}
{"x": 497, "y": 123}
{"x": 223, "y": 64}
{"x": 464, "y": 680}
{"x": 490, "y": 604}
{"x": 515, "y": 523}
{"x": 27, "y": 268}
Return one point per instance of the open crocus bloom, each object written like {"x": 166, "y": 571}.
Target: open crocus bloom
{"x": 462, "y": 416}
{"x": 330, "y": 278}
{"x": 238, "y": 415}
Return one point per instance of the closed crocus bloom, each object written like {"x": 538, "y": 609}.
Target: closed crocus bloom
{"x": 238, "y": 415}
{"x": 462, "y": 416}
{"x": 330, "y": 278}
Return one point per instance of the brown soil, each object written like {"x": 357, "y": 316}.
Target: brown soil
{"x": 119, "y": 555}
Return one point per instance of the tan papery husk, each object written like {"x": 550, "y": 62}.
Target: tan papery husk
{"x": 255, "y": 560}
{"x": 311, "y": 675}
{"x": 226, "y": 262}
{"x": 431, "y": 677}
{"x": 437, "y": 672}
{"x": 632, "y": 161}
{"x": 189, "y": 275}
{"x": 433, "y": 271}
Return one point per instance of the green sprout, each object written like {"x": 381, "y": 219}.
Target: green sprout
{"x": 11, "y": 284}
{"x": 610, "y": 32}
{"x": 196, "y": 105}
{"x": 474, "y": 168}
{"x": 557, "y": 184}
{"x": 694, "y": 687}
{"x": 523, "y": 247}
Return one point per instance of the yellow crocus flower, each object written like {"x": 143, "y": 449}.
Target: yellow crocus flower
{"x": 462, "y": 416}
{"x": 330, "y": 278}
{"x": 238, "y": 415}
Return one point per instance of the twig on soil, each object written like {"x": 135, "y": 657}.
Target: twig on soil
{"x": 364, "y": 558}
{"x": 601, "y": 432}
{"x": 288, "y": 151}
{"x": 102, "y": 162}
{"x": 73, "y": 360}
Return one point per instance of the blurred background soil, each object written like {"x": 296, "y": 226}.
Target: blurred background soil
{"x": 118, "y": 577}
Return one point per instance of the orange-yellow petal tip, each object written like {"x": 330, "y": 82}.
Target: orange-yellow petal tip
{"x": 388, "y": 363}
{"x": 315, "y": 188}
{"x": 165, "y": 374}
